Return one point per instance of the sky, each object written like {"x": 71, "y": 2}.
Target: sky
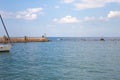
{"x": 61, "y": 18}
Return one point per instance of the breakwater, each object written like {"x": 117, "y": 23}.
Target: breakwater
{"x": 23, "y": 39}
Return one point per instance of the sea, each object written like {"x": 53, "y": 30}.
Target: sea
{"x": 63, "y": 58}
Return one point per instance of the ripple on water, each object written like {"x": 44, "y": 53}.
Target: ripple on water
{"x": 62, "y": 60}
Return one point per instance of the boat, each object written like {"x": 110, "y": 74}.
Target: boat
{"x": 7, "y": 46}
{"x": 59, "y": 39}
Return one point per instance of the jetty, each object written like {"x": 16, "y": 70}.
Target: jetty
{"x": 24, "y": 39}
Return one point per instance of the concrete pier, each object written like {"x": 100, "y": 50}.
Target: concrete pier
{"x": 4, "y": 39}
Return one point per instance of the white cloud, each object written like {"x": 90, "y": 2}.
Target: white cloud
{"x": 70, "y": 19}
{"x": 102, "y": 18}
{"x": 85, "y": 4}
{"x": 68, "y": 1}
{"x": 87, "y": 18}
{"x": 28, "y": 14}
{"x": 93, "y": 18}
{"x": 66, "y": 19}
{"x": 113, "y": 14}
{"x": 57, "y": 7}
{"x": 112, "y": 0}
{"x": 6, "y": 14}
{"x": 110, "y": 15}
{"x": 55, "y": 20}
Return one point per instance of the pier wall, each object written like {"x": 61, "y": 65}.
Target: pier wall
{"x": 23, "y": 39}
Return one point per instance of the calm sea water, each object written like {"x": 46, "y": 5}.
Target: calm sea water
{"x": 62, "y": 59}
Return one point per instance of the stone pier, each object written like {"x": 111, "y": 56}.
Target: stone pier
{"x": 4, "y": 39}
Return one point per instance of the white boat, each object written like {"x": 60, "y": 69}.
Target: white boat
{"x": 59, "y": 39}
{"x": 7, "y": 46}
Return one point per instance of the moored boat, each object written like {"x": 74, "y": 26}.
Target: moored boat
{"x": 7, "y": 46}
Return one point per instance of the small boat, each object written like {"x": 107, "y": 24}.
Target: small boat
{"x": 59, "y": 39}
{"x": 7, "y": 46}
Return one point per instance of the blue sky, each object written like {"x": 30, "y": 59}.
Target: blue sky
{"x": 61, "y": 18}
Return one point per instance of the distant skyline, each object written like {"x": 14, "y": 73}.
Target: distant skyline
{"x": 61, "y": 18}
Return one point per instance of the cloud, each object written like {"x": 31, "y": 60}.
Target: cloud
{"x": 28, "y": 14}
{"x": 113, "y": 14}
{"x": 6, "y": 14}
{"x": 66, "y": 20}
{"x": 110, "y": 15}
{"x": 56, "y": 7}
{"x": 68, "y": 1}
{"x": 87, "y": 18}
{"x": 70, "y": 19}
{"x": 93, "y": 18}
{"x": 85, "y": 4}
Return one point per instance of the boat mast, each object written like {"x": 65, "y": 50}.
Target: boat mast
{"x": 5, "y": 28}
